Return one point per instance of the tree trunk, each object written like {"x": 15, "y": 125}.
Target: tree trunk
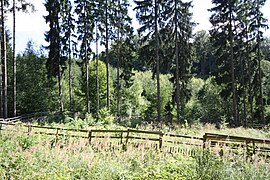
{"x": 97, "y": 79}
{"x": 14, "y": 61}
{"x": 244, "y": 122}
{"x": 60, "y": 92}
{"x": 1, "y": 62}
{"x": 118, "y": 90}
{"x": 260, "y": 80}
{"x": 1, "y": 78}
{"x": 118, "y": 67}
{"x": 157, "y": 59}
{"x": 70, "y": 77}
{"x": 235, "y": 117}
{"x": 177, "y": 66}
{"x": 87, "y": 84}
{"x": 107, "y": 54}
{"x": 4, "y": 61}
{"x": 250, "y": 96}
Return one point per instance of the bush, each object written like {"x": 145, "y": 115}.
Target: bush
{"x": 205, "y": 105}
{"x": 104, "y": 117}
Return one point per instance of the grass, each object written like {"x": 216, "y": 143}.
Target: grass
{"x": 25, "y": 156}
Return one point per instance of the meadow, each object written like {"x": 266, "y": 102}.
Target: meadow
{"x": 38, "y": 156}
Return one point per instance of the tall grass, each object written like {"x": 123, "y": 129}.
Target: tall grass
{"x": 39, "y": 157}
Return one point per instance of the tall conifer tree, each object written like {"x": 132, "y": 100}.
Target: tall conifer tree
{"x": 149, "y": 16}
{"x": 54, "y": 61}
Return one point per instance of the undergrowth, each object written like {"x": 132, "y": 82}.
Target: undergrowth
{"x": 25, "y": 156}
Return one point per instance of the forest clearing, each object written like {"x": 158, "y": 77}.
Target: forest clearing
{"x": 107, "y": 99}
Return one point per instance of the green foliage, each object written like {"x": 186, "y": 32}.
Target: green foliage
{"x": 206, "y": 104}
{"x": 237, "y": 29}
{"x": 25, "y": 142}
{"x": 266, "y": 87}
{"x": 53, "y": 38}
{"x": 76, "y": 160}
{"x": 78, "y": 99}
{"x": 204, "y": 64}
{"x": 102, "y": 84}
{"x": 35, "y": 93}
{"x": 104, "y": 117}
{"x": 140, "y": 98}
{"x": 79, "y": 123}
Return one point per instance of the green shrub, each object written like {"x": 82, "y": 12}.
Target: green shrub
{"x": 104, "y": 117}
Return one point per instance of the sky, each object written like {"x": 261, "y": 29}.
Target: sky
{"x": 31, "y": 26}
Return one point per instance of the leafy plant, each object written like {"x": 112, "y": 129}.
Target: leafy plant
{"x": 104, "y": 117}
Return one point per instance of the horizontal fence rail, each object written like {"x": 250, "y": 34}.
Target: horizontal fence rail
{"x": 157, "y": 139}
{"x": 36, "y": 116}
{"x": 251, "y": 146}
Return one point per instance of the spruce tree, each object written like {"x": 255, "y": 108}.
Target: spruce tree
{"x": 122, "y": 24}
{"x": 179, "y": 27}
{"x": 222, "y": 34}
{"x": 54, "y": 62}
{"x": 149, "y": 16}
{"x": 85, "y": 28}
{"x": 67, "y": 41}
{"x": 236, "y": 34}
{"x": 4, "y": 106}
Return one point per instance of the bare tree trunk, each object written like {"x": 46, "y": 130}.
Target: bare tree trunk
{"x": 260, "y": 80}
{"x": 157, "y": 59}
{"x": 14, "y": 61}
{"x": 118, "y": 68}
{"x": 1, "y": 78}
{"x": 249, "y": 90}
{"x": 244, "y": 92}
{"x": 70, "y": 77}
{"x": 107, "y": 58}
{"x": 235, "y": 117}
{"x": 177, "y": 66}
{"x": 4, "y": 61}
{"x": 118, "y": 91}
{"x": 97, "y": 79}
{"x": 1, "y": 63}
{"x": 5, "y": 77}
{"x": 60, "y": 92}
{"x": 87, "y": 79}
{"x": 87, "y": 85}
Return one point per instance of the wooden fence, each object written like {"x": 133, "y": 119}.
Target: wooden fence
{"x": 250, "y": 145}
{"x": 156, "y": 139}
{"x": 28, "y": 117}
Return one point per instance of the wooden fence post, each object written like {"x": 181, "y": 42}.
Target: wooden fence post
{"x": 254, "y": 147}
{"x": 56, "y": 135}
{"x": 121, "y": 140}
{"x": 90, "y": 136}
{"x": 29, "y": 129}
{"x": 124, "y": 145}
{"x": 127, "y": 136}
{"x": 204, "y": 140}
{"x": 160, "y": 140}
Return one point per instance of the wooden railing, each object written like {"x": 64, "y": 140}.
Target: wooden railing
{"x": 159, "y": 139}
{"x": 251, "y": 145}
{"x": 35, "y": 116}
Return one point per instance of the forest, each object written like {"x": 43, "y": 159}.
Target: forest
{"x": 162, "y": 72}
{"x": 107, "y": 100}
